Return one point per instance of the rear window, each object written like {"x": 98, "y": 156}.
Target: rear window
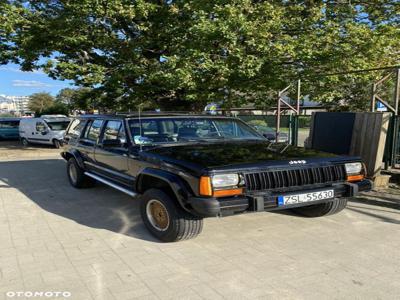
{"x": 9, "y": 124}
{"x": 76, "y": 128}
{"x": 93, "y": 131}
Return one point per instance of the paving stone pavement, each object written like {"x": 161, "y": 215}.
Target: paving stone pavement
{"x": 91, "y": 243}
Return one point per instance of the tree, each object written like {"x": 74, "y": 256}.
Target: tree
{"x": 186, "y": 52}
{"x": 58, "y": 108}
{"x": 65, "y": 96}
{"x": 40, "y": 102}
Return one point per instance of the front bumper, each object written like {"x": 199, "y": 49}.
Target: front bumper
{"x": 268, "y": 200}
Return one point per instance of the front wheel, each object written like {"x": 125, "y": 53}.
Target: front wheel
{"x": 165, "y": 219}
{"x": 57, "y": 144}
{"x": 77, "y": 176}
{"x": 323, "y": 209}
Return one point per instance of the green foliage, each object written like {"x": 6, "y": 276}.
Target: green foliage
{"x": 65, "y": 96}
{"x": 58, "y": 108}
{"x": 40, "y": 102}
{"x": 6, "y": 115}
{"x": 185, "y": 53}
{"x": 258, "y": 123}
{"x": 45, "y": 104}
{"x": 304, "y": 121}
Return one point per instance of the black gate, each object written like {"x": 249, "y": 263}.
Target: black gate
{"x": 332, "y": 132}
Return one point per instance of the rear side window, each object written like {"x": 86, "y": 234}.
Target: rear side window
{"x": 76, "y": 128}
{"x": 94, "y": 130}
{"x": 9, "y": 124}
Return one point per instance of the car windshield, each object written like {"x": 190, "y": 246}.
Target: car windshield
{"x": 175, "y": 130}
{"x": 57, "y": 125}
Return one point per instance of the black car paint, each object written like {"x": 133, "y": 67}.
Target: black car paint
{"x": 180, "y": 165}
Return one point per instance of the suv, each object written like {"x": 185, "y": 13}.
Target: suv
{"x": 188, "y": 167}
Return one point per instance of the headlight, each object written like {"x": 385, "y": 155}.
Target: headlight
{"x": 353, "y": 168}
{"x": 225, "y": 180}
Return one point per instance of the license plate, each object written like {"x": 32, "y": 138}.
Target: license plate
{"x": 305, "y": 197}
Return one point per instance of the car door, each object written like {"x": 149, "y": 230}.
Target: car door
{"x": 40, "y": 133}
{"x": 111, "y": 152}
{"x": 88, "y": 141}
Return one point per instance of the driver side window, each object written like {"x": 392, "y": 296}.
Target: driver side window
{"x": 40, "y": 127}
{"x": 114, "y": 130}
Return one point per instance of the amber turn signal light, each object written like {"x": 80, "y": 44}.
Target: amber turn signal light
{"x": 205, "y": 186}
{"x": 353, "y": 178}
{"x": 225, "y": 193}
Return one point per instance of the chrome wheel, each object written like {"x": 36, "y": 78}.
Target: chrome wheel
{"x": 157, "y": 215}
{"x": 73, "y": 173}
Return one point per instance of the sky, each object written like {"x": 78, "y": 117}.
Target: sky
{"x": 14, "y": 82}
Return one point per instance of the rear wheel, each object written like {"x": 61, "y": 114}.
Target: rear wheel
{"x": 24, "y": 142}
{"x": 323, "y": 209}
{"x": 76, "y": 175}
{"x": 165, "y": 219}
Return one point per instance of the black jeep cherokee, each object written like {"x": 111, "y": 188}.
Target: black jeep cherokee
{"x": 187, "y": 167}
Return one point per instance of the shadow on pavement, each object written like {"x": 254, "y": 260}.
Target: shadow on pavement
{"x": 45, "y": 183}
{"x": 371, "y": 214}
{"x": 16, "y": 145}
{"x": 374, "y": 205}
{"x": 378, "y": 201}
{"x": 370, "y": 207}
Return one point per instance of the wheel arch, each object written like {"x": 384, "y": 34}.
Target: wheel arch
{"x": 173, "y": 185}
{"x": 75, "y": 154}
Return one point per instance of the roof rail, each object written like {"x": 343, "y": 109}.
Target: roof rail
{"x": 160, "y": 112}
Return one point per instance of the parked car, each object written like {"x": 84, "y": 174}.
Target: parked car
{"x": 270, "y": 134}
{"x": 9, "y": 128}
{"x": 185, "y": 168}
{"x": 48, "y": 129}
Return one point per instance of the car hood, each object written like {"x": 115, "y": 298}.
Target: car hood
{"x": 225, "y": 156}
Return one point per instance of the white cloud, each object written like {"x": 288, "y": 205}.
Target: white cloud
{"x": 16, "y": 70}
{"x": 30, "y": 84}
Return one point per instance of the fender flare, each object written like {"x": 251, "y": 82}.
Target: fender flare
{"x": 179, "y": 188}
{"x": 77, "y": 157}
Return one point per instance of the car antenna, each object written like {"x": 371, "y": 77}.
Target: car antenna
{"x": 140, "y": 127}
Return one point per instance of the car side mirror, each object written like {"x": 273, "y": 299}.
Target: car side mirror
{"x": 112, "y": 143}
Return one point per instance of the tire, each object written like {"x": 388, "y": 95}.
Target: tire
{"x": 76, "y": 175}
{"x": 323, "y": 209}
{"x": 57, "y": 144}
{"x": 173, "y": 224}
{"x": 24, "y": 142}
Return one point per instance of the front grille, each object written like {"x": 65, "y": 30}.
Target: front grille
{"x": 294, "y": 177}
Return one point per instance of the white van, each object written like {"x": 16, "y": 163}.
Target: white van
{"x": 48, "y": 129}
